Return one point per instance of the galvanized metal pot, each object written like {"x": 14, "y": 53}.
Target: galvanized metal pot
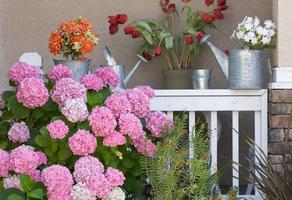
{"x": 201, "y": 78}
{"x": 78, "y": 67}
{"x": 245, "y": 69}
{"x": 177, "y": 79}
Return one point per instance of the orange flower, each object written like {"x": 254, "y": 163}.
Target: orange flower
{"x": 78, "y": 38}
{"x": 68, "y": 27}
{"x": 87, "y": 46}
{"x": 84, "y": 24}
{"x": 55, "y": 43}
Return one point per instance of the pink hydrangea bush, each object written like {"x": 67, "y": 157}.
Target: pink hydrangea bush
{"x": 19, "y": 132}
{"x": 58, "y": 72}
{"x": 21, "y": 70}
{"x": 32, "y": 93}
{"x": 66, "y": 89}
{"x": 115, "y": 177}
{"x": 140, "y": 102}
{"x": 118, "y": 103}
{"x": 82, "y": 143}
{"x": 75, "y": 110}
{"x": 4, "y": 163}
{"x": 156, "y": 122}
{"x": 108, "y": 76}
{"x": 114, "y": 139}
{"x": 131, "y": 125}
{"x": 57, "y": 129}
{"x": 92, "y": 82}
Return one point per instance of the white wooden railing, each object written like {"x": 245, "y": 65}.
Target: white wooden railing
{"x": 213, "y": 101}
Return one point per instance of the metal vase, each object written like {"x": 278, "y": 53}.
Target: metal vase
{"x": 79, "y": 68}
{"x": 201, "y": 78}
{"x": 245, "y": 69}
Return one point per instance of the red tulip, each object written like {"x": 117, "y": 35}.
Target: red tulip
{"x": 129, "y": 30}
{"x": 186, "y": 1}
{"x": 136, "y": 34}
{"x": 164, "y": 2}
{"x": 221, "y": 2}
{"x": 112, "y": 20}
{"x": 207, "y": 17}
{"x": 226, "y": 52}
{"x": 189, "y": 40}
{"x": 169, "y": 9}
{"x": 209, "y": 2}
{"x": 113, "y": 28}
{"x": 199, "y": 36}
{"x": 147, "y": 56}
{"x": 221, "y": 8}
{"x": 157, "y": 51}
{"x": 122, "y": 18}
{"x": 218, "y": 15}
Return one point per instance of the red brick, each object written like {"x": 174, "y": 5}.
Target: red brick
{"x": 280, "y": 96}
{"x": 280, "y": 121}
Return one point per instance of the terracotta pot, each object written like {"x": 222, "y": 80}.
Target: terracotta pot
{"x": 178, "y": 79}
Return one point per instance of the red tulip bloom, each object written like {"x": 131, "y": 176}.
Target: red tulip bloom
{"x": 129, "y": 30}
{"x": 226, "y": 52}
{"x": 122, "y": 18}
{"x": 209, "y": 2}
{"x": 112, "y": 20}
{"x": 164, "y": 2}
{"x": 169, "y": 9}
{"x": 221, "y": 8}
{"x": 186, "y": 1}
{"x": 113, "y": 29}
{"x": 189, "y": 40}
{"x": 199, "y": 36}
{"x": 147, "y": 56}
{"x": 157, "y": 51}
{"x": 136, "y": 34}
{"x": 207, "y": 17}
{"x": 218, "y": 15}
{"x": 221, "y": 2}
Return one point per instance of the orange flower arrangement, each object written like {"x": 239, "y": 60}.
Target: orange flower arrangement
{"x": 73, "y": 39}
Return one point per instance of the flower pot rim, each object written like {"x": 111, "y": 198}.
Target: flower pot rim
{"x": 238, "y": 49}
{"x": 71, "y": 60}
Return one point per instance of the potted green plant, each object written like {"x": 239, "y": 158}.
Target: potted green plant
{"x": 161, "y": 37}
{"x": 73, "y": 40}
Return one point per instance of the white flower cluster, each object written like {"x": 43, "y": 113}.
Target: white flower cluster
{"x": 80, "y": 192}
{"x": 116, "y": 194}
{"x": 250, "y": 33}
{"x": 75, "y": 110}
{"x": 12, "y": 182}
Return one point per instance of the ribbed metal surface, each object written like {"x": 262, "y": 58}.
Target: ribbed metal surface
{"x": 201, "y": 78}
{"x": 245, "y": 69}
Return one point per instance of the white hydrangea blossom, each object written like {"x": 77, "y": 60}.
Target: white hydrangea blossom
{"x": 250, "y": 33}
{"x": 75, "y": 110}
{"x": 12, "y": 182}
{"x": 116, "y": 194}
{"x": 80, "y": 192}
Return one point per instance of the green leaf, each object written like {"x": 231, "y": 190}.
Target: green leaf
{"x": 7, "y": 94}
{"x": 42, "y": 141}
{"x": 15, "y": 197}
{"x": 53, "y": 146}
{"x": 37, "y": 194}
{"x": 163, "y": 35}
{"x": 83, "y": 125}
{"x": 12, "y": 83}
{"x": 38, "y": 113}
{"x": 148, "y": 37}
{"x": 26, "y": 182}
{"x": 169, "y": 42}
{"x": 143, "y": 25}
{"x": 94, "y": 98}
{"x": 4, "y": 128}
{"x": 50, "y": 106}
{"x": 3, "y": 144}
{"x": 128, "y": 162}
{"x": 64, "y": 153}
{"x": 18, "y": 110}
{"x": 4, "y": 195}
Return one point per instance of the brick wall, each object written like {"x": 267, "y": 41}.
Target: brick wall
{"x": 280, "y": 126}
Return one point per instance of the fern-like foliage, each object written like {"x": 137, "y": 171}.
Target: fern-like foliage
{"x": 175, "y": 177}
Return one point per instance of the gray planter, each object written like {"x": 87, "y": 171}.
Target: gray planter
{"x": 201, "y": 78}
{"x": 177, "y": 79}
{"x": 79, "y": 68}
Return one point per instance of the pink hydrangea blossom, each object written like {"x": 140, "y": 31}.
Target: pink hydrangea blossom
{"x": 82, "y": 143}
{"x": 108, "y": 75}
{"x": 42, "y": 158}
{"x": 12, "y": 181}
{"x": 4, "y": 163}
{"x": 57, "y": 129}
{"x": 23, "y": 159}
{"x": 131, "y": 125}
{"x": 99, "y": 185}
{"x": 32, "y": 93}
{"x": 145, "y": 147}
{"x": 2, "y": 103}
{"x": 75, "y": 110}
{"x": 115, "y": 177}
{"x": 102, "y": 121}
{"x": 156, "y": 122}
{"x": 21, "y": 70}
{"x": 19, "y": 132}
{"x": 146, "y": 89}
{"x": 35, "y": 175}
{"x": 67, "y": 88}
{"x": 59, "y": 182}
{"x": 114, "y": 139}
{"x": 58, "y": 72}
{"x": 85, "y": 167}
{"x": 118, "y": 103}
{"x": 92, "y": 82}
{"x": 140, "y": 102}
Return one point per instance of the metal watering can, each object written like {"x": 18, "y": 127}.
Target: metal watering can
{"x": 120, "y": 69}
{"x": 242, "y": 68}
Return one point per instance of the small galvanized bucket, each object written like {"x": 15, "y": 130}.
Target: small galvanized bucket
{"x": 78, "y": 67}
{"x": 245, "y": 69}
{"x": 201, "y": 78}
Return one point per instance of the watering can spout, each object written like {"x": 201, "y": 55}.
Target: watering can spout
{"x": 130, "y": 74}
{"x": 220, "y": 56}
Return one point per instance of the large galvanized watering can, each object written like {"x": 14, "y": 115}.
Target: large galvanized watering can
{"x": 120, "y": 69}
{"x": 243, "y": 68}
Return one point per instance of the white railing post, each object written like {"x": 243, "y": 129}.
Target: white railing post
{"x": 214, "y": 141}
{"x": 235, "y": 149}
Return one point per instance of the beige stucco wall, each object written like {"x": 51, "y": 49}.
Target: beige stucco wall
{"x": 26, "y": 24}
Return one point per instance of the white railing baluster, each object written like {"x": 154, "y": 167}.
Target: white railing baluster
{"x": 235, "y": 148}
{"x": 257, "y": 139}
{"x": 214, "y": 142}
{"x": 192, "y": 123}
{"x": 170, "y": 114}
